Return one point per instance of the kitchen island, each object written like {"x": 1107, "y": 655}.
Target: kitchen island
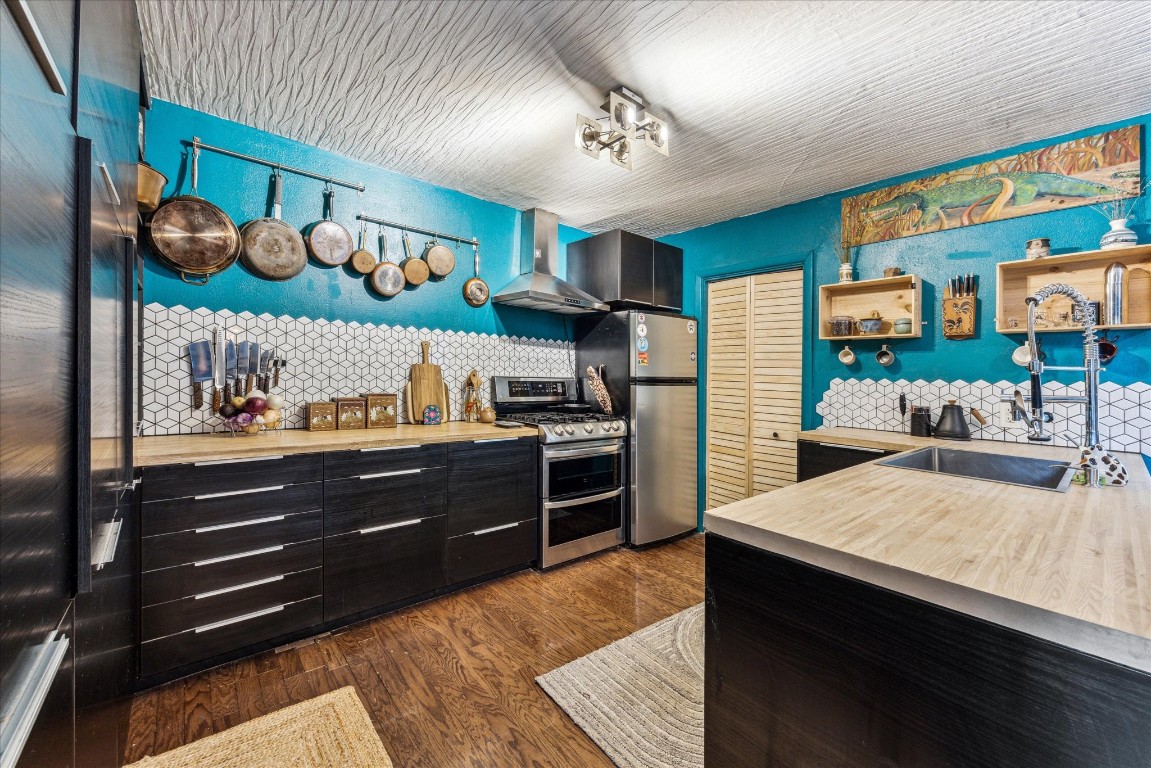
{"x": 880, "y": 616}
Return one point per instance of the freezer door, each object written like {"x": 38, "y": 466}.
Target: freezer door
{"x": 662, "y": 346}
{"x": 663, "y": 451}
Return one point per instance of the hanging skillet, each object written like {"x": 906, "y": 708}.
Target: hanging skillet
{"x": 476, "y": 291}
{"x": 191, "y": 236}
{"x": 415, "y": 270}
{"x": 387, "y": 277}
{"x": 327, "y": 241}
{"x": 441, "y": 261}
{"x": 363, "y": 261}
{"x": 272, "y": 248}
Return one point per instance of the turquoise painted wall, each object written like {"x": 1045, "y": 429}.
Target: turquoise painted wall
{"x": 339, "y": 293}
{"x": 804, "y": 235}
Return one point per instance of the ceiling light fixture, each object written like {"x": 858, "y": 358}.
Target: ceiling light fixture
{"x": 626, "y": 123}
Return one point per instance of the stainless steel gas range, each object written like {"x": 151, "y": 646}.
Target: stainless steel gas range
{"x": 581, "y": 465}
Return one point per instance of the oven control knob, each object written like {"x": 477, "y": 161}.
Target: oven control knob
{"x": 569, "y": 429}
{"x": 616, "y": 426}
{"x": 588, "y": 428}
{"x": 557, "y": 431}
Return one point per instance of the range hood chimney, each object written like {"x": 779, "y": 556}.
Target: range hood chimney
{"x": 537, "y": 287}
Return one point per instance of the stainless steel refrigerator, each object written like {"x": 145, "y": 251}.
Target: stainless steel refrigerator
{"x": 648, "y": 362}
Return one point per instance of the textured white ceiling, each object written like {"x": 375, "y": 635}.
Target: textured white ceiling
{"x": 768, "y": 102}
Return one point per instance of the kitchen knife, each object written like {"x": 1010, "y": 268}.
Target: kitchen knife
{"x": 903, "y": 409}
{"x": 278, "y": 364}
{"x": 200, "y": 356}
{"x": 219, "y": 365}
{"x": 230, "y": 368}
{"x": 262, "y": 373}
{"x": 253, "y": 365}
{"x": 243, "y": 352}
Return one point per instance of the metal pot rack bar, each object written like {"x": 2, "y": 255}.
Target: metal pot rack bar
{"x": 197, "y": 145}
{"x": 419, "y": 230}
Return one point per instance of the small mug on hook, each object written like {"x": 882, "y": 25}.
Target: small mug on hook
{"x": 846, "y": 356}
{"x": 884, "y": 356}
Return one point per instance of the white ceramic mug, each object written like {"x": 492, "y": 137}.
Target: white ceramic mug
{"x": 847, "y": 357}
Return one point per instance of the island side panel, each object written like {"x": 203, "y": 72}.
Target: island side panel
{"x": 807, "y": 667}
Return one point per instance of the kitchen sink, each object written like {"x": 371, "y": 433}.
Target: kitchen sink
{"x": 997, "y": 468}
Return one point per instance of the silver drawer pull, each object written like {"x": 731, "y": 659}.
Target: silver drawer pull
{"x": 237, "y": 493}
{"x": 252, "y": 553}
{"x": 105, "y": 541}
{"x": 397, "y": 473}
{"x": 214, "y": 462}
{"x": 113, "y": 195}
{"x": 583, "y": 500}
{"x": 226, "y": 590}
{"x": 241, "y": 524}
{"x": 851, "y": 447}
{"x": 238, "y": 619}
{"x": 404, "y": 524}
{"x": 389, "y": 448}
{"x": 493, "y": 530}
{"x": 497, "y": 440}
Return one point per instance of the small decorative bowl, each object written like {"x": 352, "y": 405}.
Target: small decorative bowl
{"x": 871, "y": 324}
{"x": 902, "y": 325}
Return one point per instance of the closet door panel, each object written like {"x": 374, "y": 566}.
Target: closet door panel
{"x": 728, "y": 388}
{"x": 776, "y": 363}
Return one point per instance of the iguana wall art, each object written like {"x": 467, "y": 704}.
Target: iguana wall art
{"x": 1080, "y": 172}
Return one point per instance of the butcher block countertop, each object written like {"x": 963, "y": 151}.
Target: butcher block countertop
{"x": 180, "y": 449}
{"x": 1073, "y": 568}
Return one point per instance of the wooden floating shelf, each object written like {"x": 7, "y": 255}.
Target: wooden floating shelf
{"x": 894, "y": 297}
{"x": 1016, "y": 280}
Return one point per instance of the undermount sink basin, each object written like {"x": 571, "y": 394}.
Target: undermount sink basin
{"x": 997, "y": 468}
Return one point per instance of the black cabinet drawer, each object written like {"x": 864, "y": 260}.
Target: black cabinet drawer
{"x": 368, "y": 570}
{"x": 488, "y": 551}
{"x": 371, "y": 461}
{"x": 173, "y": 481}
{"x": 219, "y": 508}
{"x": 228, "y": 635}
{"x": 212, "y": 606}
{"x": 193, "y": 578}
{"x": 214, "y": 542}
{"x": 815, "y": 459}
{"x": 491, "y": 485}
{"x": 354, "y": 503}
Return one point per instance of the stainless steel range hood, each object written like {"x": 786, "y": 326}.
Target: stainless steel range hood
{"x": 537, "y": 287}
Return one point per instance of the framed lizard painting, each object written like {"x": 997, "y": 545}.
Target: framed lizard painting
{"x": 1084, "y": 171}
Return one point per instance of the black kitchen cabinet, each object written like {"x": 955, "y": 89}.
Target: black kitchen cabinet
{"x": 628, "y": 271}
{"x": 492, "y": 507}
{"x": 819, "y": 458}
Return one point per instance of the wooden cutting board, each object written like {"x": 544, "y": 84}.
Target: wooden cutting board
{"x": 445, "y": 412}
{"x": 427, "y": 386}
{"x": 1138, "y": 296}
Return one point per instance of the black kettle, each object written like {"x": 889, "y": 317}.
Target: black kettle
{"x": 952, "y": 424}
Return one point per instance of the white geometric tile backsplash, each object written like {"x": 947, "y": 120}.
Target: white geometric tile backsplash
{"x": 1124, "y": 412}
{"x": 326, "y": 359}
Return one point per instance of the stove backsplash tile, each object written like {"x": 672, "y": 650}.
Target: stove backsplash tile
{"x": 1124, "y": 412}
{"x": 326, "y": 359}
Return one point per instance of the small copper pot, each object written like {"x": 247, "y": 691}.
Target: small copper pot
{"x": 150, "y": 185}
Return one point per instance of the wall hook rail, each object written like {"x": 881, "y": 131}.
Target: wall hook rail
{"x": 419, "y": 230}
{"x": 197, "y": 145}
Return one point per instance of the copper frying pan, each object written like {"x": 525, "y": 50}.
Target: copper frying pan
{"x": 191, "y": 236}
{"x": 387, "y": 277}
{"x": 272, "y": 248}
{"x": 328, "y": 241}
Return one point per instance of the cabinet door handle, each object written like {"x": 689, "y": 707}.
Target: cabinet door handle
{"x": 584, "y": 500}
{"x": 113, "y": 195}
{"x": 238, "y": 619}
{"x": 107, "y": 539}
{"x": 251, "y": 553}
{"x": 22, "y": 15}
{"x": 852, "y": 447}
{"x": 389, "y": 448}
{"x": 404, "y": 524}
{"x": 214, "y": 462}
{"x": 497, "y": 440}
{"x": 226, "y": 590}
{"x": 397, "y": 473}
{"x": 493, "y": 530}
{"x": 203, "y": 496}
{"x": 241, "y": 524}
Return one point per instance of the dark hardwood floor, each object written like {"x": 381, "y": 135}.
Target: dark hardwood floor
{"x": 449, "y": 682}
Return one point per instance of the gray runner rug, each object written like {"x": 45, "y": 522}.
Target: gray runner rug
{"x": 641, "y": 698}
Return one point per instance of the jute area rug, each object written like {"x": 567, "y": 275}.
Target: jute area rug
{"x": 325, "y": 732}
{"x": 641, "y": 698}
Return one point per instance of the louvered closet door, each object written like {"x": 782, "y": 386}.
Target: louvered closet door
{"x": 776, "y": 377}
{"x": 728, "y": 387}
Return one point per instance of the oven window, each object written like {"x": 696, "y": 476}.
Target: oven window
{"x": 583, "y": 476}
{"x": 582, "y": 520}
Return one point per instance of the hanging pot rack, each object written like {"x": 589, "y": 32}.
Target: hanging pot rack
{"x": 419, "y": 230}
{"x": 197, "y": 145}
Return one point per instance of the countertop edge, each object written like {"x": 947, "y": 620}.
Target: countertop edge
{"x": 1087, "y": 637}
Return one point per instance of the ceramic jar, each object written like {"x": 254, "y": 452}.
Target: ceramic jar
{"x": 845, "y": 272}
{"x": 1119, "y": 236}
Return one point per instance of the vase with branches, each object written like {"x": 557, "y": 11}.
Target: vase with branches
{"x": 1118, "y": 211}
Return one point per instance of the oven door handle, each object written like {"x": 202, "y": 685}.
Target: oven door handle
{"x": 583, "y": 500}
{"x": 575, "y": 453}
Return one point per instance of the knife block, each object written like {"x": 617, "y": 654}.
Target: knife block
{"x": 959, "y": 317}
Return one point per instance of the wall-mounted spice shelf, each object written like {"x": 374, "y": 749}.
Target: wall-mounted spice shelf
{"x": 1016, "y": 280}
{"x": 893, "y": 297}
